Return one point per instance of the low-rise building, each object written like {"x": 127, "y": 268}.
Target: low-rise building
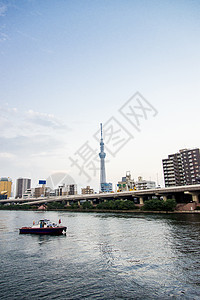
{"x": 29, "y": 193}
{"x": 142, "y": 184}
{"x": 72, "y": 189}
{"x": 40, "y": 191}
{"x": 106, "y": 187}
{"x": 69, "y": 189}
{"x": 87, "y": 190}
{"x": 126, "y": 184}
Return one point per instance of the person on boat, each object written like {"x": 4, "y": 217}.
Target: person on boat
{"x": 41, "y": 224}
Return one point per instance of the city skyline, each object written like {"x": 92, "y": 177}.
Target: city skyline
{"x": 179, "y": 169}
{"x": 67, "y": 67}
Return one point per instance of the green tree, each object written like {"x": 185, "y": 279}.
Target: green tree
{"x": 157, "y": 204}
{"x": 55, "y": 205}
{"x": 74, "y": 206}
{"x": 102, "y": 205}
{"x": 87, "y": 205}
{"x": 153, "y": 204}
{"x": 169, "y": 205}
{"x": 117, "y": 205}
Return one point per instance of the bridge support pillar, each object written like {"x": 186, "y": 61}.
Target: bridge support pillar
{"x": 68, "y": 203}
{"x": 79, "y": 203}
{"x": 91, "y": 201}
{"x": 165, "y": 198}
{"x": 195, "y": 197}
{"x": 141, "y": 200}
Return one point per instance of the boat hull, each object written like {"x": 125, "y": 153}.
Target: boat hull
{"x": 48, "y": 230}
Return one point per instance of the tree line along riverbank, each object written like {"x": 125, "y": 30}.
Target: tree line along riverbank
{"x": 155, "y": 205}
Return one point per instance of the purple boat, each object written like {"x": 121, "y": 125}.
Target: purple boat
{"x": 44, "y": 227}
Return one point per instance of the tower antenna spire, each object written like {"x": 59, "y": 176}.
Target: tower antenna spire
{"x": 101, "y": 131}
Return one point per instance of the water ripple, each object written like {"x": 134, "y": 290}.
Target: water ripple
{"x": 102, "y": 256}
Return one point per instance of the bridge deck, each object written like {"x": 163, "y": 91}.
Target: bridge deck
{"x": 136, "y": 194}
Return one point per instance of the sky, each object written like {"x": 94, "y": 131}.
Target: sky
{"x": 67, "y": 66}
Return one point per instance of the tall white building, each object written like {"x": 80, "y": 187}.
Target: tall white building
{"x": 22, "y": 185}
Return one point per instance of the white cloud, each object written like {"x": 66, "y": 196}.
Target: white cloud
{"x": 15, "y": 123}
{"x": 32, "y": 143}
{"x": 3, "y": 9}
{"x": 3, "y": 37}
{"x": 24, "y": 145}
{"x": 30, "y": 132}
{"x": 7, "y": 109}
{"x": 28, "y": 36}
{"x": 44, "y": 119}
{"x": 7, "y": 155}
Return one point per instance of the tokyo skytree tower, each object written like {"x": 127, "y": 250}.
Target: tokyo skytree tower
{"x": 102, "y": 156}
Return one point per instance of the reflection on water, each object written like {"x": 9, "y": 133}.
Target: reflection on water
{"x": 3, "y": 225}
{"x": 102, "y": 256}
{"x": 44, "y": 239}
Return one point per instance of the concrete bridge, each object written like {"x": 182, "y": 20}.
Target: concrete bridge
{"x": 180, "y": 193}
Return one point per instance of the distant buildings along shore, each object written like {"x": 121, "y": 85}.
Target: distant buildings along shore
{"x": 179, "y": 169}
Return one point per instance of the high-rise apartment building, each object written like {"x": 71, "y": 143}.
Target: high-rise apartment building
{"x": 182, "y": 168}
{"x": 5, "y": 186}
{"x": 22, "y": 185}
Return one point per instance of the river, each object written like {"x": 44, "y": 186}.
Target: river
{"x": 102, "y": 256}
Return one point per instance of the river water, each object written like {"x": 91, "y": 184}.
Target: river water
{"x": 102, "y": 256}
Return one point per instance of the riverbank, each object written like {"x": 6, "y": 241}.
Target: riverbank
{"x": 156, "y": 206}
{"x": 135, "y": 211}
{"x": 138, "y": 211}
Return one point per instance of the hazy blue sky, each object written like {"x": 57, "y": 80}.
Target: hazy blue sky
{"x": 67, "y": 66}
